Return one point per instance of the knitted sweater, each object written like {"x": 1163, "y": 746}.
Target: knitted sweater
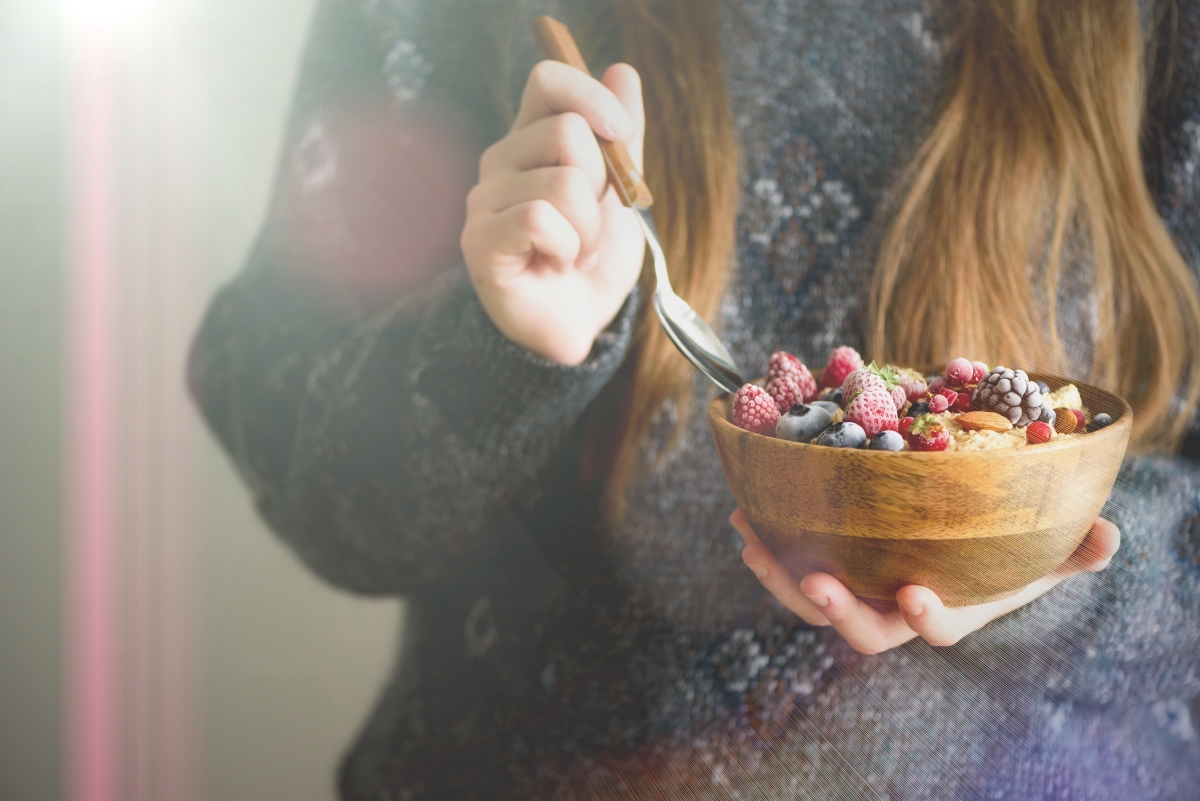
{"x": 416, "y": 451}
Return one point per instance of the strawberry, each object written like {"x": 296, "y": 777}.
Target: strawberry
{"x": 927, "y": 433}
{"x": 783, "y": 363}
{"x": 755, "y": 410}
{"x": 899, "y": 397}
{"x": 861, "y": 380}
{"x": 1039, "y": 432}
{"x": 913, "y": 383}
{"x": 785, "y": 392}
{"x": 842, "y": 362}
{"x": 874, "y": 410}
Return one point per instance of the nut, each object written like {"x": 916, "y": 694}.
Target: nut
{"x": 986, "y": 421}
{"x": 1065, "y": 421}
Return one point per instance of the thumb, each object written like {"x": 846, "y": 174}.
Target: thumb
{"x": 624, "y": 82}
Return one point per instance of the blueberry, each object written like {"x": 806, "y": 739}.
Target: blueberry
{"x": 843, "y": 435}
{"x": 833, "y": 396}
{"x": 802, "y": 423}
{"x": 1044, "y": 387}
{"x": 828, "y": 406}
{"x": 917, "y": 409}
{"x": 1048, "y": 416}
{"x": 887, "y": 441}
{"x": 1100, "y": 421}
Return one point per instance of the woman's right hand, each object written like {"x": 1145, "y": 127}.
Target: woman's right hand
{"x": 551, "y": 250}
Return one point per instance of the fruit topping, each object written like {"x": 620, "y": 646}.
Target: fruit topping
{"x": 938, "y": 404}
{"x": 842, "y": 362}
{"x": 919, "y": 408}
{"x": 785, "y": 392}
{"x": 984, "y": 421}
{"x": 927, "y": 433}
{"x": 913, "y": 383}
{"x": 1100, "y": 421}
{"x": 1038, "y": 432}
{"x": 1065, "y": 422}
{"x": 842, "y": 435}
{"x": 959, "y": 372}
{"x": 886, "y": 441}
{"x": 1080, "y": 420}
{"x": 802, "y": 423}
{"x": 832, "y": 396}
{"x": 755, "y": 410}
{"x": 828, "y": 406}
{"x": 979, "y": 371}
{"x": 874, "y": 410}
{"x": 1048, "y": 416}
{"x": 783, "y": 364}
{"x": 904, "y": 424}
{"x": 1012, "y": 394}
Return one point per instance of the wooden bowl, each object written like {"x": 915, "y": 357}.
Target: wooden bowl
{"x": 973, "y": 526}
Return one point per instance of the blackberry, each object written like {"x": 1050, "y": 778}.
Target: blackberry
{"x": 1011, "y": 394}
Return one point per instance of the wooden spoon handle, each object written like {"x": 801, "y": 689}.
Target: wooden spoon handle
{"x": 558, "y": 44}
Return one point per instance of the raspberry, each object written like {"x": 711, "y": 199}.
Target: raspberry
{"x": 959, "y": 372}
{"x": 927, "y": 433}
{"x": 785, "y": 392}
{"x": 782, "y": 364}
{"x": 938, "y": 404}
{"x": 1039, "y": 432}
{"x": 874, "y": 410}
{"x": 755, "y": 410}
{"x": 842, "y": 362}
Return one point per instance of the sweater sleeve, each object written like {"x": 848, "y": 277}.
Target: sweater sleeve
{"x": 1131, "y": 632}
{"x": 377, "y": 439}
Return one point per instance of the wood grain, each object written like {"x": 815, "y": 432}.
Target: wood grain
{"x": 973, "y": 526}
{"x": 557, "y": 44}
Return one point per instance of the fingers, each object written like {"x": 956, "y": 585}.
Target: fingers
{"x": 626, "y": 84}
{"x": 555, "y": 88}
{"x": 559, "y": 141}
{"x": 518, "y": 232}
{"x": 1097, "y": 549}
{"x": 568, "y": 189}
{"x": 773, "y": 575}
{"x": 864, "y": 628}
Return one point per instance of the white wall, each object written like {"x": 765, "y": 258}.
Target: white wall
{"x": 283, "y": 669}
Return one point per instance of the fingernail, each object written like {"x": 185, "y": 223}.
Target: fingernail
{"x": 821, "y": 601}
{"x": 911, "y": 609}
{"x": 759, "y": 570}
{"x": 617, "y": 130}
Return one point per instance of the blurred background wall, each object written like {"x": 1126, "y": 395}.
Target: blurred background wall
{"x": 238, "y": 675}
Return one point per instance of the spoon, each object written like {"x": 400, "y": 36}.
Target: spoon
{"x": 684, "y": 327}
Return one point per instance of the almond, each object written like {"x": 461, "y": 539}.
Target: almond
{"x": 1065, "y": 421}
{"x": 985, "y": 421}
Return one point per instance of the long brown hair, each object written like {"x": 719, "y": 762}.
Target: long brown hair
{"x": 1043, "y": 111}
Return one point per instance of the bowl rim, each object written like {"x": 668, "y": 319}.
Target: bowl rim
{"x": 1122, "y": 424}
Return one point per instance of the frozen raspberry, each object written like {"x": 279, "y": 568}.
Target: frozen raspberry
{"x": 755, "y": 410}
{"x": 959, "y": 372}
{"x": 938, "y": 404}
{"x": 874, "y": 410}
{"x": 785, "y": 392}
{"x": 782, "y": 364}
{"x": 842, "y": 362}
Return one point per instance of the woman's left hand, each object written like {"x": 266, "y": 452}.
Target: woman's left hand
{"x": 822, "y": 600}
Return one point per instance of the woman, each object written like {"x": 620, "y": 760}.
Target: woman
{"x": 501, "y": 434}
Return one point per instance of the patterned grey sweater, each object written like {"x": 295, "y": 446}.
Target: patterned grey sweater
{"x": 416, "y": 451}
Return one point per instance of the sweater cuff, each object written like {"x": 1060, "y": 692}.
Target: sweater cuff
{"x": 483, "y": 383}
